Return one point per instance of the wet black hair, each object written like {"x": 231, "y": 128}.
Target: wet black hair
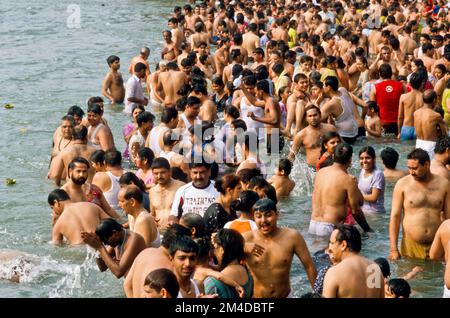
{"x": 57, "y": 195}
{"x": 389, "y": 156}
{"x": 163, "y": 278}
{"x": 106, "y": 228}
{"x": 399, "y": 287}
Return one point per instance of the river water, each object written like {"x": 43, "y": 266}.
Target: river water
{"x": 52, "y": 60}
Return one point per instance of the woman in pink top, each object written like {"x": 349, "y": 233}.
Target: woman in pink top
{"x": 144, "y": 162}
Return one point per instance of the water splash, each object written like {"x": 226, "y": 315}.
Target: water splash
{"x": 303, "y": 175}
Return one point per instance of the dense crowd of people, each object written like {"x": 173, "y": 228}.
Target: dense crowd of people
{"x": 243, "y": 85}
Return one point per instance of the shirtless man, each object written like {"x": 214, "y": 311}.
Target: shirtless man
{"x": 296, "y": 104}
{"x": 169, "y": 120}
{"x": 208, "y": 110}
{"x": 429, "y": 124}
{"x": 407, "y": 43}
{"x": 389, "y": 157}
{"x": 310, "y": 137}
{"x": 99, "y": 135}
{"x": 343, "y": 249}
{"x": 200, "y": 36}
{"x": 108, "y": 181}
{"x": 420, "y": 199}
{"x": 81, "y": 192}
{"x": 409, "y": 103}
{"x": 117, "y": 246}
{"x": 280, "y": 33}
{"x": 151, "y": 259}
{"x": 222, "y": 56}
{"x": 441, "y": 158}
{"x": 79, "y": 148}
{"x": 258, "y": 58}
{"x": 62, "y": 138}
{"x": 280, "y": 180}
{"x": 250, "y": 39}
{"x": 170, "y": 50}
{"x": 274, "y": 248}
{"x": 70, "y": 218}
{"x": 176, "y": 33}
{"x": 428, "y": 56}
{"x": 271, "y": 118}
{"x": 170, "y": 83}
{"x": 141, "y": 58}
{"x": 139, "y": 220}
{"x": 351, "y": 17}
{"x": 112, "y": 86}
{"x": 385, "y": 57}
{"x": 163, "y": 193}
{"x": 334, "y": 191}
{"x": 152, "y": 85}
{"x": 237, "y": 45}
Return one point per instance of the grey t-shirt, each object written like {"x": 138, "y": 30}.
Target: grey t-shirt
{"x": 365, "y": 185}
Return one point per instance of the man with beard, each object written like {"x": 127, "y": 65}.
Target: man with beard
{"x": 163, "y": 193}
{"x": 420, "y": 198}
{"x": 196, "y": 196}
{"x": 310, "y": 137}
{"x": 70, "y": 218}
{"x": 117, "y": 246}
{"x": 78, "y": 191}
{"x": 275, "y": 246}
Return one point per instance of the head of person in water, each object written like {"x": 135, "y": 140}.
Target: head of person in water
{"x": 110, "y": 232}
{"x": 418, "y": 164}
{"x": 398, "y": 288}
{"x": 194, "y": 222}
{"x": 344, "y": 239}
{"x": 97, "y": 160}
{"x": 266, "y": 216}
{"x": 183, "y": 255}
{"x": 140, "y": 70}
{"x": 94, "y": 114}
{"x": 161, "y": 283}
{"x": 145, "y": 53}
{"x": 78, "y": 170}
{"x": 113, "y": 62}
{"x": 389, "y": 157}
{"x": 67, "y": 126}
{"x": 77, "y": 113}
{"x": 55, "y": 200}
{"x": 343, "y": 154}
{"x": 161, "y": 171}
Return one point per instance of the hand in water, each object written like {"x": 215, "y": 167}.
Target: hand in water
{"x": 395, "y": 255}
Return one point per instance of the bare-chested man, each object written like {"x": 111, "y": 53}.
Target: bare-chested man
{"x": 62, "y": 138}
{"x": 170, "y": 82}
{"x": 222, "y": 56}
{"x": 250, "y": 40}
{"x": 170, "y": 50}
{"x": 200, "y": 36}
{"x": 280, "y": 33}
{"x": 151, "y": 259}
{"x": 310, "y": 137}
{"x": 409, "y": 103}
{"x": 334, "y": 191}
{"x": 407, "y": 43}
{"x": 274, "y": 248}
{"x": 429, "y": 124}
{"x": 79, "y": 191}
{"x": 296, "y": 104}
{"x": 79, "y": 148}
{"x": 176, "y": 32}
{"x": 112, "y": 86}
{"x": 343, "y": 249}
{"x": 117, "y": 246}
{"x": 420, "y": 198}
{"x": 441, "y": 158}
{"x": 208, "y": 110}
{"x": 70, "y": 218}
{"x": 163, "y": 193}
{"x": 99, "y": 135}
{"x": 389, "y": 157}
{"x": 141, "y": 58}
{"x": 385, "y": 57}
{"x": 140, "y": 220}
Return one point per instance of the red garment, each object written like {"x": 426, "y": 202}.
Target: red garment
{"x": 387, "y": 97}
{"x": 428, "y": 85}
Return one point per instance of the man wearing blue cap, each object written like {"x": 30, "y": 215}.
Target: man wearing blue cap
{"x": 271, "y": 259}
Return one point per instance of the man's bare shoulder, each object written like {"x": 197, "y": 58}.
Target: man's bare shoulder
{"x": 328, "y": 127}
{"x": 249, "y": 236}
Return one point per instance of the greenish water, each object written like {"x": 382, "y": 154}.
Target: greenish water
{"x": 47, "y": 67}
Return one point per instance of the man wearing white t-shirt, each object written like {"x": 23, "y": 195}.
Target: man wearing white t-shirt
{"x": 134, "y": 93}
{"x": 196, "y": 196}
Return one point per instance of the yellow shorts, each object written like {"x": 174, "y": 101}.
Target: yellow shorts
{"x": 412, "y": 249}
